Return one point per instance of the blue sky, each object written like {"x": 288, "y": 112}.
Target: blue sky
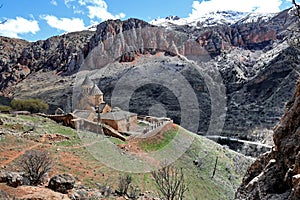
{"x": 39, "y": 19}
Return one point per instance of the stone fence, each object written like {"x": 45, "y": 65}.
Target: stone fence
{"x": 83, "y": 124}
{"x": 155, "y": 125}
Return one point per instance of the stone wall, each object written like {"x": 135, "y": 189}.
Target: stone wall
{"x": 122, "y": 125}
{"x": 93, "y": 127}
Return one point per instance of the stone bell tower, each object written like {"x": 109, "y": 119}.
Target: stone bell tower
{"x": 87, "y": 86}
{"x": 96, "y": 95}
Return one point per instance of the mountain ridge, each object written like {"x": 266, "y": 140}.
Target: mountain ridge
{"x": 215, "y": 18}
{"x": 251, "y": 57}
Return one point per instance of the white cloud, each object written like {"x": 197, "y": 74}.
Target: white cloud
{"x": 97, "y": 9}
{"x": 102, "y": 13}
{"x": 14, "y": 27}
{"x": 53, "y": 2}
{"x": 82, "y": 2}
{"x": 235, "y": 5}
{"x": 64, "y": 24}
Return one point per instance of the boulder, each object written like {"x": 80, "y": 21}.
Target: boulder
{"x": 14, "y": 179}
{"x": 3, "y": 177}
{"x": 62, "y": 183}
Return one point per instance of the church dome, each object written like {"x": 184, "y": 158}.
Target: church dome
{"x": 87, "y": 82}
{"x": 96, "y": 91}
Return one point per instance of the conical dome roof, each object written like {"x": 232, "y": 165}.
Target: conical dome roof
{"x": 96, "y": 91}
{"x": 87, "y": 82}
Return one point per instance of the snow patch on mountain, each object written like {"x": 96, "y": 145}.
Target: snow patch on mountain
{"x": 207, "y": 19}
{"x": 256, "y": 18}
{"x": 218, "y": 18}
{"x": 214, "y": 19}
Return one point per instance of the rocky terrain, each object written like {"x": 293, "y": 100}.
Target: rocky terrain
{"x": 62, "y": 54}
{"x": 250, "y": 62}
{"x": 276, "y": 175}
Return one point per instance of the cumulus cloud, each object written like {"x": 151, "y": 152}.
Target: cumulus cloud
{"x": 263, "y": 6}
{"x": 102, "y": 13}
{"x": 64, "y": 24}
{"x": 97, "y": 9}
{"x": 14, "y": 27}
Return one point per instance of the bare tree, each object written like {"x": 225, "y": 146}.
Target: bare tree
{"x": 124, "y": 182}
{"x": 36, "y": 164}
{"x": 125, "y": 187}
{"x": 297, "y": 6}
{"x": 170, "y": 182}
{"x": 293, "y": 39}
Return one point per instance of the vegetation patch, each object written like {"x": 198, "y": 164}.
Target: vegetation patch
{"x": 4, "y": 108}
{"x": 159, "y": 141}
{"x": 71, "y": 156}
{"x": 142, "y": 124}
{"x": 31, "y": 105}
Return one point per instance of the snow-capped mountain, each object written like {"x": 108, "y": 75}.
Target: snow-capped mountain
{"x": 213, "y": 19}
{"x": 169, "y": 21}
{"x": 256, "y": 17}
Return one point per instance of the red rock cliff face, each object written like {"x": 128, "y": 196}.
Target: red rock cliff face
{"x": 276, "y": 175}
{"x": 125, "y": 40}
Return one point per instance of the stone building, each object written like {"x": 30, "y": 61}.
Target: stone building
{"x": 91, "y": 97}
{"x": 85, "y": 114}
{"x": 120, "y": 120}
{"x": 92, "y": 107}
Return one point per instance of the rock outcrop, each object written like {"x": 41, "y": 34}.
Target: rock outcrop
{"x": 13, "y": 179}
{"x": 63, "y": 54}
{"x": 62, "y": 183}
{"x": 276, "y": 175}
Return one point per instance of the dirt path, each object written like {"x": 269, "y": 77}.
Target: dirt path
{"x": 43, "y": 139}
{"x": 19, "y": 154}
{"x": 23, "y": 152}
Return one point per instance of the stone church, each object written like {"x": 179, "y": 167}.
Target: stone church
{"x": 91, "y": 97}
{"x": 92, "y": 107}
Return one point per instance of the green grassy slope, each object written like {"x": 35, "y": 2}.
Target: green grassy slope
{"x": 71, "y": 156}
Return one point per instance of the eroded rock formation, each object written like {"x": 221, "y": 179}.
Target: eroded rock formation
{"x": 276, "y": 175}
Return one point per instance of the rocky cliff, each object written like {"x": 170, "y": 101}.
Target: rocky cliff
{"x": 276, "y": 175}
{"x": 257, "y": 66}
{"x": 19, "y": 59}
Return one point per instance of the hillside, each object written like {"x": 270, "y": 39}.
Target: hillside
{"x": 215, "y": 96}
{"x": 18, "y": 135}
{"x": 238, "y": 75}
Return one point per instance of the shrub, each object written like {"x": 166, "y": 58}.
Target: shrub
{"x": 124, "y": 182}
{"x": 170, "y": 182}
{"x": 126, "y": 188}
{"x": 31, "y": 105}
{"x": 4, "y": 108}
{"x": 36, "y": 164}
